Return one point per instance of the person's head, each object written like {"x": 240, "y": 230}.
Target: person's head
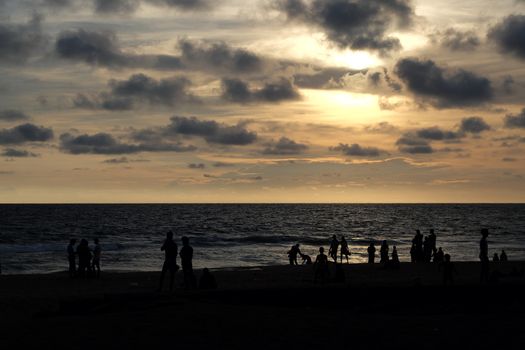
{"x": 334, "y": 237}
{"x": 431, "y": 231}
{"x": 418, "y": 232}
{"x": 169, "y": 235}
{"x": 185, "y": 240}
{"x": 321, "y": 250}
{"x": 384, "y": 242}
{"x": 447, "y": 257}
{"x": 72, "y": 241}
{"x": 502, "y": 251}
{"x": 484, "y": 232}
{"x": 84, "y": 241}
{"x": 95, "y": 240}
{"x": 394, "y": 248}
{"x": 440, "y": 249}
{"x": 372, "y": 244}
{"x": 297, "y": 245}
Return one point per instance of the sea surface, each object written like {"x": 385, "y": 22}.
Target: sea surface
{"x": 33, "y": 238}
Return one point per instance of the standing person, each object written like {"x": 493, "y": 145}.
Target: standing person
{"x": 186, "y": 257}
{"x": 292, "y": 254}
{"x": 418, "y": 244}
{"x": 503, "y": 256}
{"x": 395, "y": 258}
{"x": 95, "y": 265}
{"x": 484, "y": 256}
{"x": 439, "y": 255}
{"x": 84, "y": 258}
{"x": 321, "y": 267}
{"x": 384, "y": 252}
{"x": 371, "y": 253}
{"x": 71, "y": 257}
{"x": 344, "y": 249}
{"x": 333, "y": 248}
{"x": 170, "y": 260}
{"x": 432, "y": 240}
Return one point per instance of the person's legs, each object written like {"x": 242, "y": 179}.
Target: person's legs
{"x": 162, "y": 275}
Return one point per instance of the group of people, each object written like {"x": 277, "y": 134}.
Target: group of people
{"x": 170, "y": 248}
{"x": 88, "y": 259}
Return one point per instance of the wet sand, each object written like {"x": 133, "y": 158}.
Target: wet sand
{"x": 269, "y": 307}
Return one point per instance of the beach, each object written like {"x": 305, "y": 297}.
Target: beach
{"x": 269, "y": 307}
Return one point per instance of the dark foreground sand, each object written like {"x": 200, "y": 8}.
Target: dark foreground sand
{"x": 271, "y": 308}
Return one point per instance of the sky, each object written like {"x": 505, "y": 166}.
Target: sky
{"x": 219, "y": 101}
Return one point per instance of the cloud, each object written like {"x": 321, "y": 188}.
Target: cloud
{"x": 455, "y": 40}
{"x": 102, "y": 48}
{"x": 185, "y": 4}
{"x": 474, "y": 125}
{"x": 19, "y": 42}
{"x": 223, "y": 165}
{"x": 357, "y": 24}
{"x": 285, "y": 146}
{"x": 16, "y": 153}
{"x": 116, "y": 6}
{"x": 236, "y": 90}
{"x": 138, "y": 88}
{"x": 120, "y": 160}
{"x": 210, "y": 130}
{"x": 357, "y": 150}
{"x": 381, "y": 128}
{"x": 509, "y": 35}
{"x": 103, "y": 143}
{"x": 25, "y": 133}
{"x": 443, "y": 88}
{"x": 413, "y": 144}
{"x": 434, "y": 133}
{"x": 324, "y": 78}
{"x": 218, "y": 57}
{"x": 11, "y": 115}
{"x": 196, "y": 166}
{"x": 515, "y": 121}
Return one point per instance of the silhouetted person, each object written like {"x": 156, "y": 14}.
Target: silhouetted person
{"x": 503, "y": 256}
{"x": 427, "y": 250}
{"x": 384, "y": 252}
{"x": 306, "y": 259}
{"x": 371, "y": 253}
{"x": 95, "y": 265}
{"x": 84, "y": 258}
{"x": 495, "y": 257}
{"x": 292, "y": 254}
{"x": 432, "y": 238}
{"x": 484, "y": 256}
{"x": 394, "y": 263}
{"x": 448, "y": 270}
{"x": 439, "y": 256}
{"x": 413, "y": 253}
{"x": 170, "y": 260}
{"x": 334, "y": 245}
{"x": 186, "y": 257}
{"x": 321, "y": 267}
{"x": 207, "y": 280}
{"x": 418, "y": 244}
{"x": 71, "y": 257}
{"x": 344, "y": 249}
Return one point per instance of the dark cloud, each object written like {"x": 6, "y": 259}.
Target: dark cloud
{"x": 374, "y": 78}
{"x": 196, "y": 166}
{"x": 236, "y": 90}
{"x": 357, "y": 150}
{"x": 223, "y": 165}
{"x": 103, "y": 143}
{"x": 184, "y": 4}
{"x": 16, "y": 153}
{"x": 19, "y": 42}
{"x": 218, "y": 57}
{"x": 413, "y": 144}
{"x": 285, "y": 146}
{"x": 515, "y": 121}
{"x": 474, "y": 125}
{"x": 457, "y": 40}
{"x": 211, "y": 131}
{"x": 436, "y": 134}
{"x": 11, "y": 115}
{"x": 381, "y": 128}
{"x": 25, "y": 133}
{"x": 102, "y": 48}
{"x": 509, "y": 35}
{"x": 116, "y": 6}
{"x": 355, "y": 24}
{"x": 443, "y": 88}
{"x": 121, "y": 160}
{"x": 508, "y": 85}
{"x": 125, "y": 94}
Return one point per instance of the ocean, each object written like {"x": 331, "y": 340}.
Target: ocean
{"x": 33, "y": 238}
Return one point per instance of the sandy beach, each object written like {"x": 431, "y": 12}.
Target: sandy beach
{"x": 277, "y": 307}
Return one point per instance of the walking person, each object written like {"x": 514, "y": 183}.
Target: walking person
{"x": 344, "y": 249}
{"x": 95, "y": 265}
{"x": 334, "y": 245}
{"x": 170, "y": 249}
{"x": 186, "y": 257}
{"x": 71, "y": 257}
